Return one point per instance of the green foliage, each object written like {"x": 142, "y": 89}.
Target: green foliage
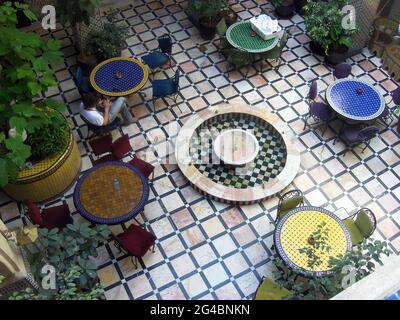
{"x": 324, "y": 24}
{"x": 25, "y": 72}
{"x": 209, "y": 8}
{"x": 361, "y": 260}
{"x": 318, "y": 239}
{"x": 109, "y": 42}
{"x": 71, "y": 252}
{"x": 76, "y": 11}
{"x": 68, "y": 289}
{"x": 50, "y": 139}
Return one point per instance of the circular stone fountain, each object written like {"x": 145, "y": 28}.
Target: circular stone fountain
{"x": 236, "y": 147}
{"x": 237, "y": 154}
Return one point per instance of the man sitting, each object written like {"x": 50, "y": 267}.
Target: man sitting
{"x": 101, "y": 112}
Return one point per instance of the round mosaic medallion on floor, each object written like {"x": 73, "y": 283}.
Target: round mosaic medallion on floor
{"x": 269, "y": 172}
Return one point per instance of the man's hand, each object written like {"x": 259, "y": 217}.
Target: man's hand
{"x": 106, "y": 105}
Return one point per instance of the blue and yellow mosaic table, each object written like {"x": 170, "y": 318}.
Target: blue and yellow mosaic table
{"x": 355, "y": 100}
{"x": 111, "y": 193}
{"x": 119, "y": 77}
{"x": 239, "y": 35}
{"x": 294, "y": 230}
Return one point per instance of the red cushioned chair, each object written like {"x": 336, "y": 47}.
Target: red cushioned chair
{"x": 146, "y": 168}
{"x": 54, "y": 217}
{"x": 101, "y": 146}
{"x": 135, "y": 241}
{"x": 121, "y": 147}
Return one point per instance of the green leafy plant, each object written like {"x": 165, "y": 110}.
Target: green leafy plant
{"x": 71, "y": 252}
{"x": 76, "y": 11}
{"x": 25, "y": 72}
{"x": 50, "y": 139}
{"x": 107, "y": 43}
{"x": 324, "y": 24}
{"x": 361, "y": 260}
{"x": 209, "y": 9}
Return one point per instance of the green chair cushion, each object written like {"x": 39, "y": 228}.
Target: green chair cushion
{"x": 288, "y": 205}
{"x": 364, "y": 223}
{"x": 356, "y": 235}
{"x": 268, "y": 290}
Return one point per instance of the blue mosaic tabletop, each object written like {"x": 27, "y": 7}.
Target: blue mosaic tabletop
{"x": 355, "y": 100}
{"x": 119, "y": 76}
{"x": 395, "y": 296}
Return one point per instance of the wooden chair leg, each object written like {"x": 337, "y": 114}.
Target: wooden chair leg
{"x": 134, "y": 261}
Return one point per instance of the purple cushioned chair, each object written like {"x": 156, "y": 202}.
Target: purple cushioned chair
{"x": 319, "y": 111}
{"x": 341, "y": 71}
{"x": 312, "y": 94}
{"x": 396, "y": 96}
{"x": 357, "y": 134}
{"x": 386, "y": 117}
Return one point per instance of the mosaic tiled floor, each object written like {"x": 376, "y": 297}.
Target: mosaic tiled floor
{"x": 205, "y": 249}
{"x": 267, "y": 165}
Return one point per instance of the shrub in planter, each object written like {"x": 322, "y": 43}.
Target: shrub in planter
{"x": 324, "y": 26}
{"x": 284, "y": 8}
{"x": 50, "y": 139}
{"x": 208, "y": 11}
{"x": 25, "y": 73}
{"x": 70, "y": 251}
{"x": 107, "y": 43}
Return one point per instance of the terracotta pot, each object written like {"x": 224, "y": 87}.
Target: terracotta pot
{"x": 299, "y": 4}
{"x": 207, "y": 29}
{"x": 285, "y": 11}
{"x": 337, "y": 55}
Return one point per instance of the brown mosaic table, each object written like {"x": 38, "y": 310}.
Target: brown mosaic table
{"x": 111, "y": 193}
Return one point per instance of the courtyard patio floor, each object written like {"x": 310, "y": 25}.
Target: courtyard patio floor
{"x": 206, "y": 249}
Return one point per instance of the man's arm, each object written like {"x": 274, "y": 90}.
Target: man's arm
{"x": 106, "y": 116}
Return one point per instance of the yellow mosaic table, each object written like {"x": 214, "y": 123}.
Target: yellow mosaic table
{"x": 293, "y": 232}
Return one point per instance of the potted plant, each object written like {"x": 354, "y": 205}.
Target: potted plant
{"x": 107, "y": 43}
{"x": 284, "y": 8}
{"x": 208, "y": 12}
{"x": 70, "y": 251}
{"x": 24, "y": 74}
{"x": 229, "y": 15}
{"x": 52, "y": 138}
{"x": 324, "y": 26}
{"x": 80, "y": 15}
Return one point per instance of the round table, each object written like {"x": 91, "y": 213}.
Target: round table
{"x": 111, "y": 193}
{"x": 119, "y": 77}
{"x": 293, "y": 232}
{"x": 347, "y": 102}
{"x": 239, "y": 36}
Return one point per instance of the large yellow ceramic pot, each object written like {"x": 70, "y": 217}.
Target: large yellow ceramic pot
{"x": 48, "y": 178}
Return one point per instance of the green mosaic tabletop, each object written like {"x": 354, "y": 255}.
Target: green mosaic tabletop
{"x": 239, "y": 36}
